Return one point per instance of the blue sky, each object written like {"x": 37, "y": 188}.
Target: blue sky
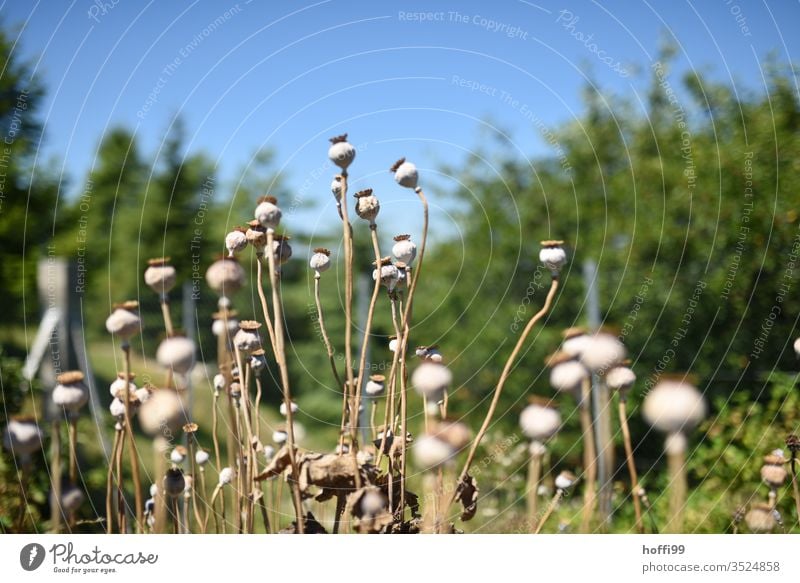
{"x": 288, "y": 75}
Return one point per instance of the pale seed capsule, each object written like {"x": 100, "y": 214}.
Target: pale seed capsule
{"x": 565, "y": 480}
{"x": 431, "y": 452}
{"x": 118, "y": 386}
{"x": 336, "y": 188}
{"x": 225, "y": 321}
{"x": 797, "y": 347}
{"x": 388, "y": 273}
{"x": 320, "y": 261}
{"x": 225, "y": 276}
{"x": 225, "y": 476}
{"x": 71, "y": 499}
{"x": 282, "y": 408}
{"x": 70, "y": 392}
{"x": 176, "y": 353}
{"x": 247, "y": 339}
{"x": 256, "y": 235}
{"x": 404, "y": 249}
{"x": 22, "y": 436}
{"x": 553, "y": 256}
{"x": 143, "y": 394}
{"x": 342, "y": 153}
{"x": 602, "y": 352}
{"x": 773, "y": 472}
{"x": 258, "y": 360}
{"x": 620, "y": 378}
{"x": 178, "y": 455}
{"x": 761, "y": 518}
{"x": 160, "y": 276}
{"x": 567, "y": 376}
{"x": 405, "y": 173}
{"x": 393, "y": 343}
{"x": 431, "y": 380}
{"x": 219, "y": 382}
{"x": 267, "y": 212}
{"x": 575, "y": 340}
{"x": 540, "y": 421}
{"x": 201, "y": 457}
{"x": 235, "y": 241}
{"x": 375, "y": 385}
{"x": 367, "y": 205}
{"x": 674, "y": 406}
{"x": 279, "y": 436}
{"x": 124, "y": 321}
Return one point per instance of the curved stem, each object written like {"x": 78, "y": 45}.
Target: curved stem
{"x": 626, "y": 438}
{"x": 324, "y": 332}
{"x": 262, "y": 296}
{"x": 280, "y": 356}
{"x": 500, "y": 384}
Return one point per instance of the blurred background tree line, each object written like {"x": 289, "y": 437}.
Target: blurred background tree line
{"x": 686, "y": 200}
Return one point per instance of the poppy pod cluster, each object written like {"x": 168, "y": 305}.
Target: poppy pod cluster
{"x": 160, "y": 276}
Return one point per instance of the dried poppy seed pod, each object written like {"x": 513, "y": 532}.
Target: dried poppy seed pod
{"x": 575, "y": 340}
{"x": 567, "y": 376}
{"x": 201, "y": 457}
{"x": 236, "y": 241}
{"x": 281, "y": 249}
{"x": 258, "y": 360}
{"x": 225, "y": 476}
{"x": 235, "y": 391}
{"x": 620, "y": 378}
{"x": 393, "y": 343}
{"x": 22, "y": 437}
{"x": 431, "y": 380}
{"x": 674, "y": 406}
{"x": 565, "y": 480}
{"x": 163, "y": 412}
{"x": 602, "y": 352}
{"x": 797, "y": 347}
{"x": 280, "y": 436}
{"x": 282, "y": 408}
{"x": 70, "y": 392}
{"x": 219, "y": 382}
{"x": 118, "y": 386}
{"x": 342, "y": 153}
{"x": 124, "y": 321}
{"x": 256, "y": 235}
{"x": 404, "y": 249}
{"x": 176, "y": 353}
{"x": 431, "y": 452}
{"x": 174, "y": 483}
{"x": 553, "y": 256}
{"x": 71, "y": 499}
{"x": 320, "y": 261}
{"x": 247, "y": 339}
{"x": 376, "y": 385}
{"x": 405, "y": 173}
{"x": 225, "y": 321}
{"x": 225, "y": 276}
{"x": 336, "y": 189}
{"x": 267, "y": 212}
{"x": 540, "y": 421}
{"x": 773, "y": 472}
{"x": 178, "y": 454}
{"x": 388, "y": 273}
{"x": 117, "y": 407}
{"x": 761, "y": 518}
{"x": 160, "y": 276}
{"x": 367, "y": 205}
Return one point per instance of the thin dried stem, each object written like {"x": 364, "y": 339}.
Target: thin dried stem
{"x": 589, "y": 454}
{"x": 56, "y": 512}
{"x": 676, "y": 468}
{"x": 500, "y": 384}
{"x": 629, "y": 460}
{"x": 534, "y": 477}
{"x": 166, "y": 315}
{"x": 110, "y": 483}
{"x": 550, "y": 508}
{"x": 324, "y": 332}
{"x": 280, "y": 356}
{"x": 133, "y": 454}
{"x": 347, "y": 233}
